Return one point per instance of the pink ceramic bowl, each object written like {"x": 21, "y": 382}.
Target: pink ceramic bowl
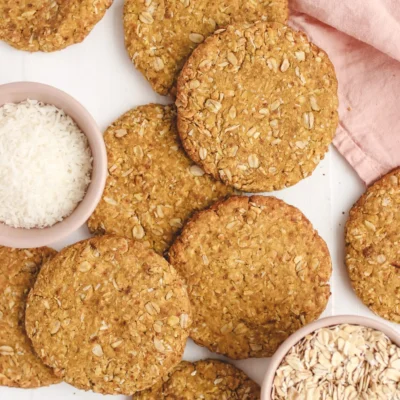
{"x": 18, "y": 237}
{"x": 306, "y": 330}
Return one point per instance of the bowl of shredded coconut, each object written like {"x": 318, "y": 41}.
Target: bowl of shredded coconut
{"x": 53, "y": 164}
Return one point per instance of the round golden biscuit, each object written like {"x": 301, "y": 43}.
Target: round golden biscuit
{"x": 256, "y": 271}
{"x": 208, "y": 379}
{"x": 161, "y": 34}
{"x": 153, "y": 187}
{"x": 373, "y": 246}
{"x": 257, "y": 106}
{"x": 19, "y": 365}
{"x": 48, "y": 25}
{"x": 109, "y": 315}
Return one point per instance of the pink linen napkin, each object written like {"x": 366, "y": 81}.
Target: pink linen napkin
{"x": 362, "y": 38}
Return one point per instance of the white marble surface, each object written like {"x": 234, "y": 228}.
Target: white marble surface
{"x": 99, "y": 74}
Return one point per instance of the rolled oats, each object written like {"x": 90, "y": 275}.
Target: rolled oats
{"x": 342, "y": 362}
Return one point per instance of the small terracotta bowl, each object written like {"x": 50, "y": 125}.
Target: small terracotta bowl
{"x": 280, "y": 354}
{"x": 27, "y": 238}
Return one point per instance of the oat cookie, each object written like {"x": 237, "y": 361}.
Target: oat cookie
{"x": 161, "y": 34}
{"x": 256, "y": 272}
{"x": 48, "y": 25}
{"x": 109, "y": 315}
{"x": 257, "y": 106}
{"x": 153, "y": 187}
{"x": 208, "y": 379}
{"x": 19, "y": 365}
{"x": 373, "y": 247}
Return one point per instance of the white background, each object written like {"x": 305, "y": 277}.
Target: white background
{"x": 99, "y": 74}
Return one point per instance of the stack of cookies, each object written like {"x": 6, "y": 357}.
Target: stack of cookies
{"x": 256, "y": 108}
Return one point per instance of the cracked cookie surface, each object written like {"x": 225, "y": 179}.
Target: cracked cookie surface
{"x": 257, "y": 106}
{"x": 109, "y": 315}
{"x": 48, "y": 25}
{"x": 207, "y": 379}
{"x": 19, "y": 365}
{"x": 161, "y": 34}
{"x": 153, "y": 187}
{"x": 373, "y": 246}
{"x": 256, "y": 271}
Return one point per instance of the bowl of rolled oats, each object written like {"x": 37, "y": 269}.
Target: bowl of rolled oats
{"x": 342, "y": 357}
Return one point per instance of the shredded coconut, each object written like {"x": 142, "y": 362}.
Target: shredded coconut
{"x": 45, "y": 164}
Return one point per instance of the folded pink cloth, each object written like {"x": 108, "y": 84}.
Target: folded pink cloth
{"x": 362, "y": 38}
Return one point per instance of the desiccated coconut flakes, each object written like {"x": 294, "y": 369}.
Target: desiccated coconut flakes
{"x": 45, "y": 164}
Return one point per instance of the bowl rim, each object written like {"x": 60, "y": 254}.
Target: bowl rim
{"x": 293, "y": 339}
{"x": 38, "y": 237}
